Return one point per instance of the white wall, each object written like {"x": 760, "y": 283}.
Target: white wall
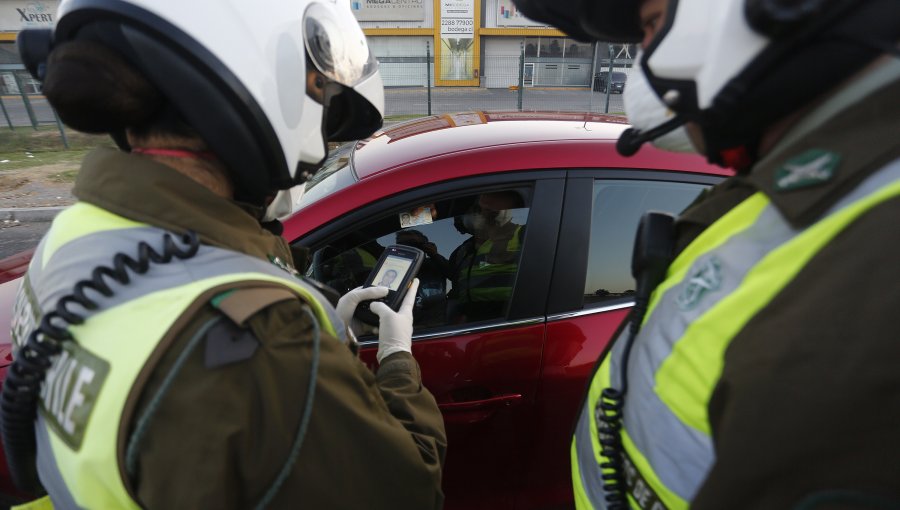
{"x": 400, "y": 45}
{"x": 501, "y": 61}
{"x": 401, "y": 59}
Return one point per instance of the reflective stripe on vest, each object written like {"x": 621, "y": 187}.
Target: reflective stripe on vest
{"x": 718, "y": 284}
{"x": 78, "y": 424}
{"x": 491, "y": 282}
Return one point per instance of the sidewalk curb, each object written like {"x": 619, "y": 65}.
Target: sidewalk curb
{"x": 30, "y": 213}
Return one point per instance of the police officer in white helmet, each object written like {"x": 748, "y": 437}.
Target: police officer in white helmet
{"x": 764, "y": 372}
{"x": 168, "y": 354}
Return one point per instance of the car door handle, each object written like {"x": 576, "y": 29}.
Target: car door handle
{"x": 488, "y": 404}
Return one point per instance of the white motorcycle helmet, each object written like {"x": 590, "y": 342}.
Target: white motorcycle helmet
{"x": 236, "y": 72}
{"x": 734, "y": 67}
{"x": 737, "y": 67}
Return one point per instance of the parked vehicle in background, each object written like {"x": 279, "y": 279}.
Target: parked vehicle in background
{"x": 506, "y": 333}
{"x": 616, "y": 85}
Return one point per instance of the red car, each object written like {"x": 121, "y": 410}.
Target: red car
{"x": 509, "y": 319}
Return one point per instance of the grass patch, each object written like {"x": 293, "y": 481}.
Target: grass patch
{"x": 47, "y": 138}
{"x": 25, "y": 147}
{"x": 26, "y": 159}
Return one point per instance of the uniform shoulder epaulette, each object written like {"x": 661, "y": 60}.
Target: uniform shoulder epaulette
{"x": 241, "y": 304}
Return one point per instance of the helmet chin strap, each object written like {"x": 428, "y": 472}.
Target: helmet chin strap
{"x": 631, "y": 139}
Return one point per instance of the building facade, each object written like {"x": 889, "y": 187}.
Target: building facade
{"x": 469, "y": 43}
{"x": 14, "y": 16}
{"x": 473, "y": 43}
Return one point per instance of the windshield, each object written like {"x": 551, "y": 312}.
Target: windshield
{"x": 336, "y": 174}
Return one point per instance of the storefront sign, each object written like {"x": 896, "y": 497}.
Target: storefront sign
{"x": 15, "y": 16}
{"x": 457, "y": 18}
{"x": 388, "y": 10}
{"x": 509, "y": 16}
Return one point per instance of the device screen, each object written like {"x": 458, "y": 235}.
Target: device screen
{"x": 391, "y": 273}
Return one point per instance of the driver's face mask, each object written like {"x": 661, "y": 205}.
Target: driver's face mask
{"x": 480, "y": 222}
{"x": 498, "y": 218}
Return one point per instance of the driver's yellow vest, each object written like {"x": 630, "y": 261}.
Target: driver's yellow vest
{"x": 490, "y": 273}
{"x": 713, "y": 288}
{"x": 82, "y": 440}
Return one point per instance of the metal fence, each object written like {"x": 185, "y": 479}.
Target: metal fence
{"x": 413, "y": 87}
{"x": 497, "y": 82}
{"x": 22, "y": 103}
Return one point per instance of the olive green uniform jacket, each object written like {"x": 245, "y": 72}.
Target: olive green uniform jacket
{"x": 807, "y": 411}
{"x": 224, "y": 430}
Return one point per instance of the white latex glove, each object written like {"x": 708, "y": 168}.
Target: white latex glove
{"x": 347, "y": 304}
{"x": 395, "y": 328}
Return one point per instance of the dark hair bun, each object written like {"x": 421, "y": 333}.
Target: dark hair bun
{"x": 94, "y": 90}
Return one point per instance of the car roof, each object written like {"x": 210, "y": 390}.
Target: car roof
{"x": 437, "y": 135}
{"x": 441, "y": 148}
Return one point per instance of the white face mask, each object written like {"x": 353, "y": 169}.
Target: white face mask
{"x": 503, "y": 217}
{"x": 477, "y": 223}
{"x": 284, "y": 204}
{"x": 646, "y": 110}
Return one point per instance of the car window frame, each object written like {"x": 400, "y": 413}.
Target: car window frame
{"x": 566, "y": 295}
{"x": 539, "y": 244}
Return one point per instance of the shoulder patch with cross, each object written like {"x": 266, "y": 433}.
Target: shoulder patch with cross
{"x": 811, "y": 168}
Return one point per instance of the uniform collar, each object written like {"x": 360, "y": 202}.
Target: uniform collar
{"x": 141, "y": 189}
{"x": 832, "y": 150}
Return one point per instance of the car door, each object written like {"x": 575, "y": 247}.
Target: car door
{"x": 480, "y": 358}
{"x": 590, "y": 295}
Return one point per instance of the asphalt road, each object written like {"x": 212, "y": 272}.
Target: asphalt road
{"x": 18, "y": 237}
{"x": 18, "y": 115}
{"x": 411, "y": 101}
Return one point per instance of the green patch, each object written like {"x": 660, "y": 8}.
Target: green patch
{"x": 218, "y": 298}
{"x": 70, "y": 391}
{"x": 48, "y": 138}
{"x": 811, "y": 168}
{"x": 27, "y": 147}
{"x": 17, "y": 160}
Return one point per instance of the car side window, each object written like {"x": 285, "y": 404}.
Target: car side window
{"x": 472, "y": 246}
{"x": 617, "y": 209}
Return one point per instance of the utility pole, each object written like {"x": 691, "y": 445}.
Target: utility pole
{"x": 609, "y": 77}
{"x": 428, "y": 72}
{"x": 521, "y": 74}
{"x": 594, "y": 72}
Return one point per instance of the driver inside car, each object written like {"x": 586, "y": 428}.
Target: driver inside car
{"x": 483, "y": 268}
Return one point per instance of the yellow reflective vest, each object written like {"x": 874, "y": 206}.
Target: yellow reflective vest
{"x": 488, "y": 274}
{"x": 82, "y": 440}
{"x": 712, "y": 289}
